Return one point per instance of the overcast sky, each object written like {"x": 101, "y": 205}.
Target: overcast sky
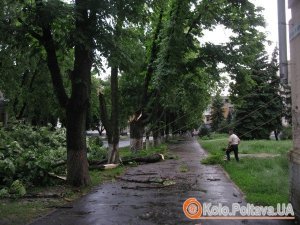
{"x": 270, "y": 14}
{"x": 220, "y": 35}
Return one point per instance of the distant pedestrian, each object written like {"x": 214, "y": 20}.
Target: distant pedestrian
{"x": 233, "y": 145}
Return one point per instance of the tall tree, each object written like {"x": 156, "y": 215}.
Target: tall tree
{"x": 126, "y": 14}
{"x": 217, "y": 115}
{"x": 63, "y": 28}
{"x": 261, "y": 110}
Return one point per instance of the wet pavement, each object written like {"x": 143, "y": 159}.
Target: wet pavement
{"x": 154, "y": 193}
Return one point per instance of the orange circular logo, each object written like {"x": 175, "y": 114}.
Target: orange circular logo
{"x": 192, "y": 208}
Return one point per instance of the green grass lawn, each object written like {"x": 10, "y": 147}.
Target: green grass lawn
{"x": 22, "y": 211}
{"x": 263, "y": 180}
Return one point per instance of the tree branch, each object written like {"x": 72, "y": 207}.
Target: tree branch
{"x": 48, "y": 42}
{"x": 154, "y": 51}
{"x": 30, "y": 31}
{"x": 53, "y": 66}
{"x": 195, "y": 21}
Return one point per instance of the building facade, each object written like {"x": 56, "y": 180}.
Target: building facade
{"x": 227, "y": 109}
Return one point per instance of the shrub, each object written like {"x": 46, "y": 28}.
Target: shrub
{"x": 286, "y": 133}
{"x": 17, "y": 189}
{"x": 204, "y": 131}
{"x": 4, "y": 193}
{"x": 213, "y": 159}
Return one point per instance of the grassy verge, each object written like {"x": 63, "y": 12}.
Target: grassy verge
{"x": 263, "y": 180}
{"x": 22, "y": 211}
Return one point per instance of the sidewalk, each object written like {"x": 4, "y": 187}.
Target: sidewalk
{"x": 154, "y": 193}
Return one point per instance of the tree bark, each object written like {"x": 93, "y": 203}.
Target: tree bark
{"x": 113, "y": 144}
{"x": 136, "y": 132}
{"x": 167, "y": 126}
{"x": 76, "y": 111}
{"x": 276, "y": 134}
{"x": 156, "y": 136}
{"x": 77, "y": 164}
{"x": 148, "y": 144}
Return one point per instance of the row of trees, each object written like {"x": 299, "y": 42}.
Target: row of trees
{"x": 162, "y": 74}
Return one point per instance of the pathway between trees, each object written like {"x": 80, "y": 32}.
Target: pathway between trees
{"x": 154, "y": 193}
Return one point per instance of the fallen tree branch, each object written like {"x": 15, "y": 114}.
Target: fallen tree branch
{"x": 145, "y": 187}
{"x": 147, "y": 181}
{"x": 148, "y": 159}
{"x": 41, "y": 196}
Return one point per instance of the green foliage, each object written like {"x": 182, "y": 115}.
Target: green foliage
{"x": 260, "y": 110}
{"x": 214, "y": 159}
{"x": 126, "y": 153}
{"x": 4, "y": 193}
{"x": 286, "y": 133}
{"x": 29, "y": 153}
{"x": 287, "y": 102}
{"x": 17, "y": 189}
{"x": 204, "y": 131}
{"x": 95, "y": 149}
{"x": 217, "y": 115}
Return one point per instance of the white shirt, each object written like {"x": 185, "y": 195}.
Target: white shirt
{"x": 234, "y": 140}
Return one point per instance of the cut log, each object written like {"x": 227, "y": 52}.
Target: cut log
{"x": 97, "y": 162}
{"x": 57, "y": 176}
{"x": 103, "y": 166}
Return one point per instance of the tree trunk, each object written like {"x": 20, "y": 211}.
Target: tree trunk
{"x": 136, "y": 133}
{"x": 78, "y": 104}
{"x": 156, "y": 137}
{"x": 77, "y": 164}
{"x": 113, "y": 156}
{"x": 167, "y": 128}
{"x": 162, "y": 134}
{"x": 276, "y": 135}
{"x": 148, "y": 144}
{"x": 100, "y": 130}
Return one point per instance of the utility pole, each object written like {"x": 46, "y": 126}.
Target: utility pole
{"x": 294, "y": 155}
{"x": 283, "y": 63}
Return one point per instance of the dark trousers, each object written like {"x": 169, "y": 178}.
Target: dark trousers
{"x": 235, "y": 149}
